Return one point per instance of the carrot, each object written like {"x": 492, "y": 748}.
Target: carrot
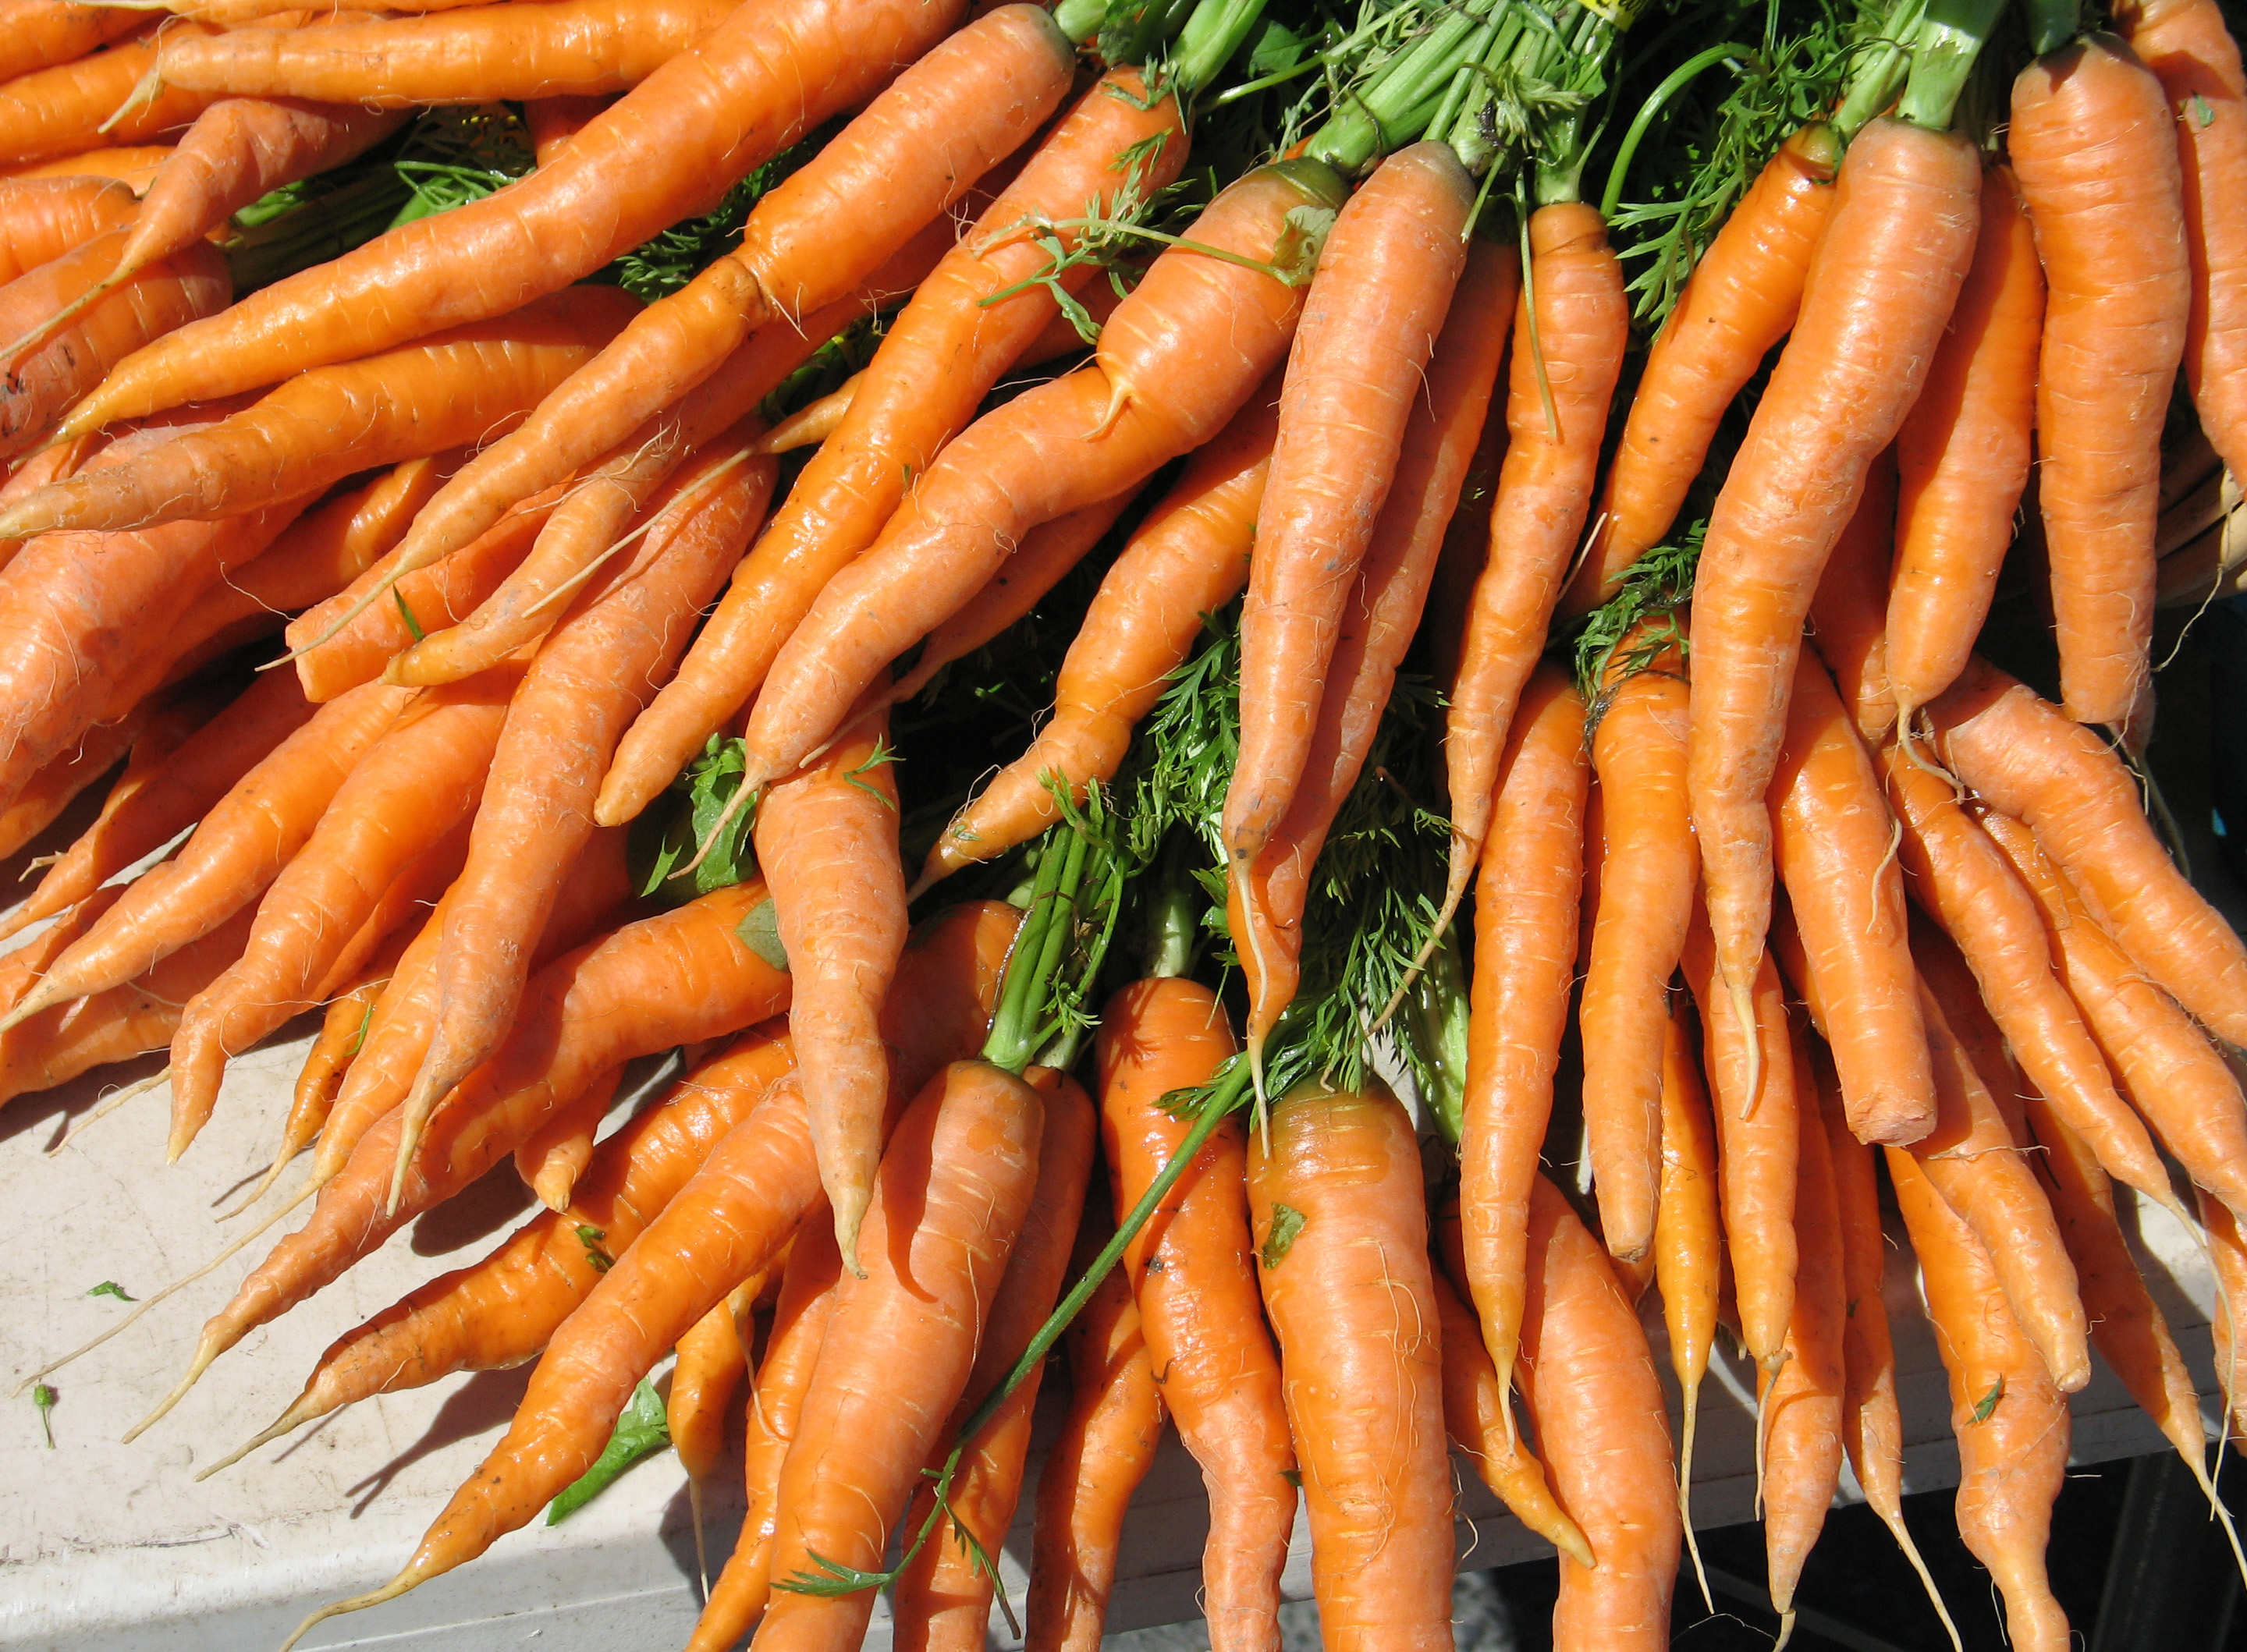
{"x": 1192, "y": 1274}
{"x": 1800, "y": 1404}
{"x": 1962, "y": 456}
{"x": 1879, "y": 290}
{"x": 342, "y": 1035}
{"x": 1386, "y": 277}
{"x": 22, "y": 965}
{"x": 2024, "y": 761}
{"x": 132, "y": 165}
{"x": 1742, "y": 299}
{"x": 1834, "y": 841}
{"x": 1525, "y": 962}
{"x": 942, "y": 1595}
{"x": 1376, "y": 620}
{"x": 1848, "y": 611}
{"x": 168, "y": 295}
{"x": 1104, "y": 1450}
{"x": 1031, "y": 459}
{"x": 1965, "y": 882}
{"x": 709, "y": 1367}
{"x": 39, "y": 34}
{"x": 1588, "y": 1378}
{"x": 2228, "y": 1261}
{"x": 470, "y": 54}
{"x": 2162, "y": 1063}
{"x": 1188, "y": 558}
{"x": 1648, "y": 866}
{"x": 1336, "y": 1208}
{"x": 941, "y": 356}
{"x": 152, "y": 803}
{"x": 1757, "y": 1156}
{"x": 916, "y": 150}
{"x": 593, "y": 673}
{"x": 553, "y": 121}
{"x": 41, "y": 218}
{"x": 551, "y": 1160}
{"x": 52, "y": 789}
{"x": 2012, "y": 1424}
{"x": 667, "y": 150}
{"x": 449, "y": 391}
{"x": 2095, "y": 154}
{"x": 799, "y": 1325}
{"x": 1574, "y": 306}
{"x": 71, "y": 106}
{"x": 1687, "y": 1245}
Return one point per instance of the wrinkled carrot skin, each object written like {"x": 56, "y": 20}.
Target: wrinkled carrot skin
{"x": 2191, "y": 53}
{"x": 799, "y": 1325}
{"x": 43, "y": 218}
{"x": 1193, "y": 1275}
{"x": 1588, "y": 1378}
{"x": 1833, "y": 840}
{"x": 51, "y": 791}
{"x": 168, "y": 295}
{"x": 1581, "y": 323}
{"x": 941, "y": 355}
{"x": 60, "y": 111}
{"x": 1188, "y": 557}
{"x": 1742, "y": 299}
{"x": 2012, "y": 1424}
{"x": 1359, "y": 357}
{"x": 1848, "y": 611}
{"x": 39, "y": 34}
{"x": 1962, "y": 456}
{"x": 942, "y": 1603}
{"x": 2094, "y": 150}
{"x": 2183, "y": 1089}
{"x": 2024, "y": 761}
{"x": 709, "y": 1368}
{"x": 1879, "y": 293}
{"x": 22, "y": 965}
{"x": 1963, "y": 879}
{"x": 1105, "y": 1448}
{"x": 472, "y": 54}
{"x": 550, "y": 1163}
{"x": 774, "y": 70}
{"x": 1352, "y": 1301}
{"x": 1177, "y": 360}
{"x": 1648, "y": 866}
{"x": 1525, "y": 961}
{"x": 1377, "y": 617}
{"x": 901, "y": 1343}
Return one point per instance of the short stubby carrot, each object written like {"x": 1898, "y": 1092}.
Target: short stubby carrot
{"x": 1192, "y": 1272}
{"x": 39, "y": 34}
{"x": 1524, "y": 963}
{"x": 2011, "y": 1423}
{"x": 1848, "y": 611}
{"x": 1369, "y": 321}
{"x": 1342, "y": 1228}
{"x": 1741, "y": 300}
{"x": 1188, "y": 558}
{"x": 1176, "y": 361}
{"x": 2094, "y": 148}
{"x": 1879, "y": 293}
{"x": 556, "y": 1154}
{"x": 1587, "y": 1378}
{"x": 2021, "y": 756}
{"x": 1962, "y": 456}
{"x": 1834, "y": 841}
{"x": 43, "y": 218}
{"x": 669, "y": 149}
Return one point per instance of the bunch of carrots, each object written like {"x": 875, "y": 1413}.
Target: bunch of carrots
{"x": 572, "y": 530}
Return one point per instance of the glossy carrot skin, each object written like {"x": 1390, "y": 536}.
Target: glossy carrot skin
{"x": 1351, "y": 1298}
{"x": 1688, "y": 1233}
{"x": 43, "y": 218}
{"x": 1192, "y": 1272}
{"x": 1871, "y": 1423}
{"x": 60, "y": 111}
{"x": 1848, "y": 611}
{"x": 39, "y": 34}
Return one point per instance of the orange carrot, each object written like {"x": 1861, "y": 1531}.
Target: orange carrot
{"x": 342, "y": 1035}
{"x": 1848, "y": 611}
{"x": 2228, "y": 1257}
{"x": 132, "y": 165}
{"x": 39, "y": 34}
{"x": 1742, "y": 300}
{"x": 709, "y": 1367}
{"x": 1879, "y": 290}
{"x": 43, "y": 218}
{"x": 1588, "y": 1378}
{"x": 2094, "y": 150}
{"x": 80, "y": 105}
{"x": 1341, "y": 1223}
{"x": 52, "y": 789}
{"x": 1688, "y": 1244}
{"x": 553, "y": 121}
{"x": 555, "y": 1155}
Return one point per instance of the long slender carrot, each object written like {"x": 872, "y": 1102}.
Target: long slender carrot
{"x": 41, "y": 33}
{"x": 667, "y": 150}
{"x": 342, "y": 1035}
{"x": 2095, "y": 153}
{"x": 1687, "y": 1245}
{"x": 1581, "y": 321}
{"x": 2228, "y": 1260}
{"x": 1189, "y": 558}
{"x": 710, "y": 1365}
{"x": 1742, "y": 299}
{"x": 1525, "y": 961}
{"x": 1848, "y": 611}
{"x": 1193, "y": 1275}
{"x": 1879, "y": 290}
{"x": 2024, "y": 760}
{"x": 1587, "y": 1378}
{"x": 43, "y": 218}
{"x": 62, "y": 110}
{"x": 469, "y": 54}
{"x": 1352, "y": 1299}
{"x": 2012, "y": 1424}
{"x": 556, "y": 1155}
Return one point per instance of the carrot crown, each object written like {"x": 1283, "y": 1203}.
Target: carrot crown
{"x": 1070, "y": 919}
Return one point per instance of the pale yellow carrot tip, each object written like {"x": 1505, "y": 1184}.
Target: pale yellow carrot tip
{"x": 1786, "y": 1631}
{"x": 389, "y": 1591}
{"x": 38, "y": 999}
{"x": 1685, "y": 1491}
{"x": 752, "y": 784}
{"x": 111, "y": 1103}
{"x": 299, "y": 1413}
{"x": 1751, "y": 1037}
{"x": 701, "y": 1554}
{"x": 1926, "y": 1580}
{"x": 849, "y": 1216}
{"x": 1412, "y": 971}
{"x": 143, "y": 93}
{"x": 289, "y": 1151}
{"x": 206, "y": 1351}
{"x": 930, "y": 878}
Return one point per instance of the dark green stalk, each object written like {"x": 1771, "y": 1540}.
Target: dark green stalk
{"x": 1080, "y": 20}
{"x": 1881, "y": 71}
{"x": 1948, "y": 41}
{"x": 1394, "y": 107}
{"x": 1677, "y": 79}
{"x": 316, "y": 230}
{"x": 2053, "y": 24}
{"x": 1212, "y": 34}
{"x": 1037, "y": 952}
{"x": 1173, "y": 925}
{"x": 1339, "y": 51}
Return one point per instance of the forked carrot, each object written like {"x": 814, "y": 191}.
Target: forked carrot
{"x": 342, "y": 1035}
{"x": 2227, "y": 1255}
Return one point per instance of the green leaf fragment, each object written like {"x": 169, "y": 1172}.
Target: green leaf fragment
{"x": 44, "y": 1398}
{"x": 412, "y": 625}
{"x": 591, "y": 1238}
{"x": 760, "y": 932}
{"x": 110, "y": 1287}
{"x": 1988, "y": 1403}
{"x": 1286, "y": 1224}
{"x": 641, "y": 1431}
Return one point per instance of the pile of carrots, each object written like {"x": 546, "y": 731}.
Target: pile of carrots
{"x": 1199, "y": 477}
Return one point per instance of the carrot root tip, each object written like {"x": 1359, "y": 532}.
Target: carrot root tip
{"x": 389, "y": 1591}
{"x": 1786, "y": 1631}
{"x": 206, "y": 1351}
{"x": 1894, "y": 1523}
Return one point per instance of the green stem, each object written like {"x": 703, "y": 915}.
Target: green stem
{"x": 1395, "y": 106}
{"x": 1080, "y": 20}
{"x": 2053, "y": 24}
{"x": 1943, "y": 58}
{"x": 315, "y": 231}
{"x": 1678, "y": 79}
{"x": 1212, "y": 34}
{"x": 1037, "y": 950}
{"x": 1295, "y": 72}
{"x": 1439, "y": 1031}
{"x": 1172, "y": 929}
{"x": 1881, "y": 71}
